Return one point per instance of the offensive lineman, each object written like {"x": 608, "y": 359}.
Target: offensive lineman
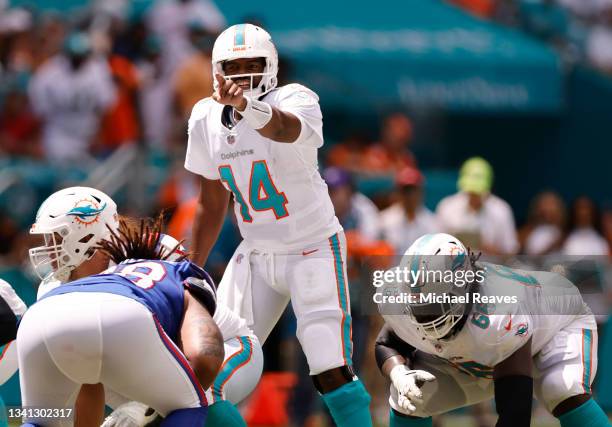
{"x": 259, "y": 142}
{"x": 118, "y": 328}
{"x": 444, "y": 356}
{"x": 73, "y": 221}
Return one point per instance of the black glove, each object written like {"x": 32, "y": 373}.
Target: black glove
{"x": 204, "y": 290}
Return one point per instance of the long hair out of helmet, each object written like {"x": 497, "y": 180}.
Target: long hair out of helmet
{"x": 141, "y": 242}
{"x": 247, "y": 41}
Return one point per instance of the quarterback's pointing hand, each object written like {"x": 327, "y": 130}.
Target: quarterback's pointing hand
{"x": 229, "y": 93}
{"x": 408, "y": 384}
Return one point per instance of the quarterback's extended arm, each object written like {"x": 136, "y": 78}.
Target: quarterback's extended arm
{"x": 270, "y": 122}
{"x": 514, "y": 388}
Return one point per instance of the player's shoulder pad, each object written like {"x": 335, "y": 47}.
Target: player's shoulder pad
{"x": 200, "y": 110}
{"x": 203, "y": 289}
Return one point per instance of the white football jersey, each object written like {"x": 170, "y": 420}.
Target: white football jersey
{"x": 546, "y": 303}
{"x": 281, "y": 201}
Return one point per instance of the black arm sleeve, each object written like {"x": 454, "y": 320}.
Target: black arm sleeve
{"x": 8, "y": 323}
{"x": 388, "y": 344}
{"x": 513, "y": 398}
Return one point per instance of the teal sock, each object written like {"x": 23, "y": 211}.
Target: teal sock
{"x": 399, "y": 421}
{"x": 349, "y": 405}
{"x": 3, "y": 419}
{"x": 224, "y": 414}
{"x": 589, "y": 414}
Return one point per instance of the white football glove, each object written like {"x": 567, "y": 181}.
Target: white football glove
{"x": 7, "y": 293}
{"x": 130, "y": 414}
{"x": 408, "y": 384}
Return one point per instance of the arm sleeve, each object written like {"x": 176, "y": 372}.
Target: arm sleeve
{"x": 388, "y": 344}
{"x": 304, "y": 104}
{"x": 8, "y": 323}
{"x": 513, "y": 399}
{"x": 197, "y": 159}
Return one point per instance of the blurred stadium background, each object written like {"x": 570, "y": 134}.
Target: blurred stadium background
{"x": 98, "y": 93}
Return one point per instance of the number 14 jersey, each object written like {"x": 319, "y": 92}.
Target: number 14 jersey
{"x": 280, "y": 200}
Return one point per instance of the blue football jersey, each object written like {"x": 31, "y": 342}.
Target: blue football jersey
{"x": 156, "y": 284}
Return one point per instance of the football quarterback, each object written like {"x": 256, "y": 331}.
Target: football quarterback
{"x": 258, "y": 141}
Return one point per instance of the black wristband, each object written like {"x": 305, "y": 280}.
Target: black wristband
{"x": 513, "y": 399}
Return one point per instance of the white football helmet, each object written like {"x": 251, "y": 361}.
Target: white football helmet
{"x": 72, "y": 222}
{"x": 247, "y": 41}
{"x": 438, "y": 257}
{"x": 171, "y": 248}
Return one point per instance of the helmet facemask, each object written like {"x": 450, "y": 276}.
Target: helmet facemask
{"x": 439, "y": 285}
{"x": 58, "y": 254}
{"x": 436, "y": 321}
{"x": 267, "y": 82}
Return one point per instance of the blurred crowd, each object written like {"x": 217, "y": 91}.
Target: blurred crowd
{"x": 580, "y": 29}
{"x": 74, "y": 89}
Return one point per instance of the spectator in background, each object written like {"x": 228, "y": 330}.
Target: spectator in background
{"x": 70, "y": 93}
{"x": 354, "y": 210}
{"x": 407, "y": 220}
{"x": 481, "y": 8}
{"x": 169, "y": 21}
{"x": 19, "y": 128}
{"x": 49, "y": 37}
{"x": 121, "y": 125}
{"x": 391, "y": 153}
{"x": 545, "y": 19}
{"x": 16, "y": 54}
{"x": 193, "y": 80}
{"x": 606, "y": 228}
{"x": 543, "y": 233}
{"x": 155, "y": 97}
{"x": 478, "y": 218}
{"x": 349, "y": 153}
{"x": 599, "y": 41}
{"x": 584, "y": 237}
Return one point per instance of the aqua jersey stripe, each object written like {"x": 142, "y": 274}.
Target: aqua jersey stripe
{"x": 344, "y": 301}
{"x": 239, "y": 35}
{"x": 587, "y": 346}
{"x": 231, "y": 365}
